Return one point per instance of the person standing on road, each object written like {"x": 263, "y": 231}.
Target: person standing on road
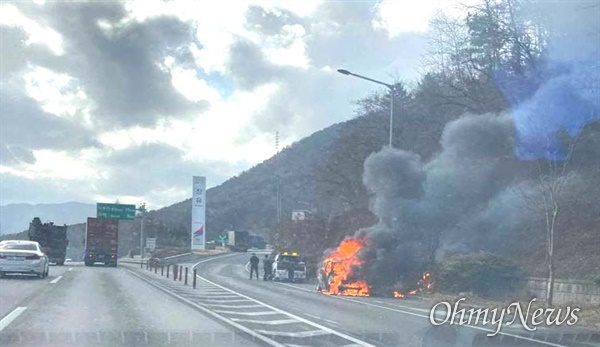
{"x": 254, "y": 265}
{"x": 267, "y": 268}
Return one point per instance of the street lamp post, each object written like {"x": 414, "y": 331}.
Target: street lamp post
{"x": 392, "y": 90}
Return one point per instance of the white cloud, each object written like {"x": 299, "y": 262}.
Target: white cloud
{"x": 38, "y": 34}
{"x": 58, "y": 93}
{"x": 237, "y": 130}
{"x": 288, "y": 48}
{"x": 216, "y": 134}
{"x": 61, "y": 165}
{"x": 398, "y": 17}
{"x": 189, "y": 85}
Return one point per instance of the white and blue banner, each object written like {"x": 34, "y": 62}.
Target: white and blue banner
{"x": 199, "y": 213}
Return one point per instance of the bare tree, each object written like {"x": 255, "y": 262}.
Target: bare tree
{"x": 546, "y": 199}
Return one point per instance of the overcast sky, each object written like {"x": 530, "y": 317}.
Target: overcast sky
{"x": 105, "y": 100}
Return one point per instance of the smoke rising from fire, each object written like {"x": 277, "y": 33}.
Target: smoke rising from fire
{"x": 422, "y": 204}
{"x": 466, "y": 198}
{"x": 471, "y": 195}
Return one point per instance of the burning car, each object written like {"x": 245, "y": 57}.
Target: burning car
{"x": 336, "y": 276}
{"x": 340, "y": 274}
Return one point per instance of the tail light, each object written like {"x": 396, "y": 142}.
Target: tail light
{"x": 31, "y": 257}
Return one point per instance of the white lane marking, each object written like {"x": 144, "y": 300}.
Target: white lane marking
{"x": 235, "y": 306}
{"x": 207, "y": 301}
{"x": 426, "y": 316}
{"x": 271, "y": 342}
{"x": 402, "y": 306}
{"x": 291, "y": 315}
{"x": 312, "y": 315}
{"x": 70, "y": 269}
{"x": 56, "y": 279}
{"x": 266, "y": 322}
{"x": 215, "y": 296}
{"x": 466, "y": 326}
{"x": 344, "y": 298}
{"x": 4, "y": 322}
{"x": 298, "y": 334}
{"x": 317, "y": 317}
{"x": 260, "y": 313}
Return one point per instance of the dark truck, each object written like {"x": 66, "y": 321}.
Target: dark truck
{"x": 52, "y": 239}
{"x": 101, "y": 241}
{"x": 238, "y": 241}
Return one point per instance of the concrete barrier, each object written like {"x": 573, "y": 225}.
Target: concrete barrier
{"x": 565, "y": 291}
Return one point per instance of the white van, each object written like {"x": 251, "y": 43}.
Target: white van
{"x": 289, "y": 267}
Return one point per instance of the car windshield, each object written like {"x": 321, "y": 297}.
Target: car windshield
{"x": 290, "y": 258}
{"x": 300, "y": 173}
{"x": 20, "y": 247}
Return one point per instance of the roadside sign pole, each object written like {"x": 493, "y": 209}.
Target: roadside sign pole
{"x": 142, "y": 236}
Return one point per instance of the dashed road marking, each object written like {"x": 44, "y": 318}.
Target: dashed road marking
{"x": 226, "y": 301}
{"x": 56, "y": 279}
{"x": 240, "y": 313}
{"x": 312, "y": 316}
{"x": 216, "y": 296}
{"x": 235, "y": 306}
{"x": 268, "y": 322}
{"x": 9, "y": 318}
{"x": 311, "y": 333}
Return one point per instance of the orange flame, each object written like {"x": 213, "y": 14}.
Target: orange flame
{"x": 338, "y": 269}
{"x": 425, "y": 285}
{"x": 397, "y": 294}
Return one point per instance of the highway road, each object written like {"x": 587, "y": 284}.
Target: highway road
{"x": 131, "y": 306}
{"x": 371, "y": 320}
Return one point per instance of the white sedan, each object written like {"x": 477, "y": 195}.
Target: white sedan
{"x": 23, "y": 257}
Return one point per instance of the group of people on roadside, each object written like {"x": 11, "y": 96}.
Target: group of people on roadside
{"x": 267, "y": 267}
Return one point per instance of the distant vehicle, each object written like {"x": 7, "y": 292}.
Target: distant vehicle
{"x": 23, "y": 257}
{"x": 101, "y": 241}
{"x": 52, "y": 238}
{"x": 238, "y": 241}
{"x": 257, "y": 242}
{"x": 289, "y": 266}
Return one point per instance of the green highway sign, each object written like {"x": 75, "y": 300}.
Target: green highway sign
{"x": 115, "y": 211}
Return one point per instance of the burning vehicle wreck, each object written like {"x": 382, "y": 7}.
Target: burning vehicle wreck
{"x": 341, "y": 274}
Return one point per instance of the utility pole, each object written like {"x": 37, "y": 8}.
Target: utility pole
{"x": 143, "y": 211}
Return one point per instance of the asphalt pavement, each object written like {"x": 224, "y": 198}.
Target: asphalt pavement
{"x": 133, "y": 306}
{"x": 375, "y": 320}
{"x": 101, "y": 306}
